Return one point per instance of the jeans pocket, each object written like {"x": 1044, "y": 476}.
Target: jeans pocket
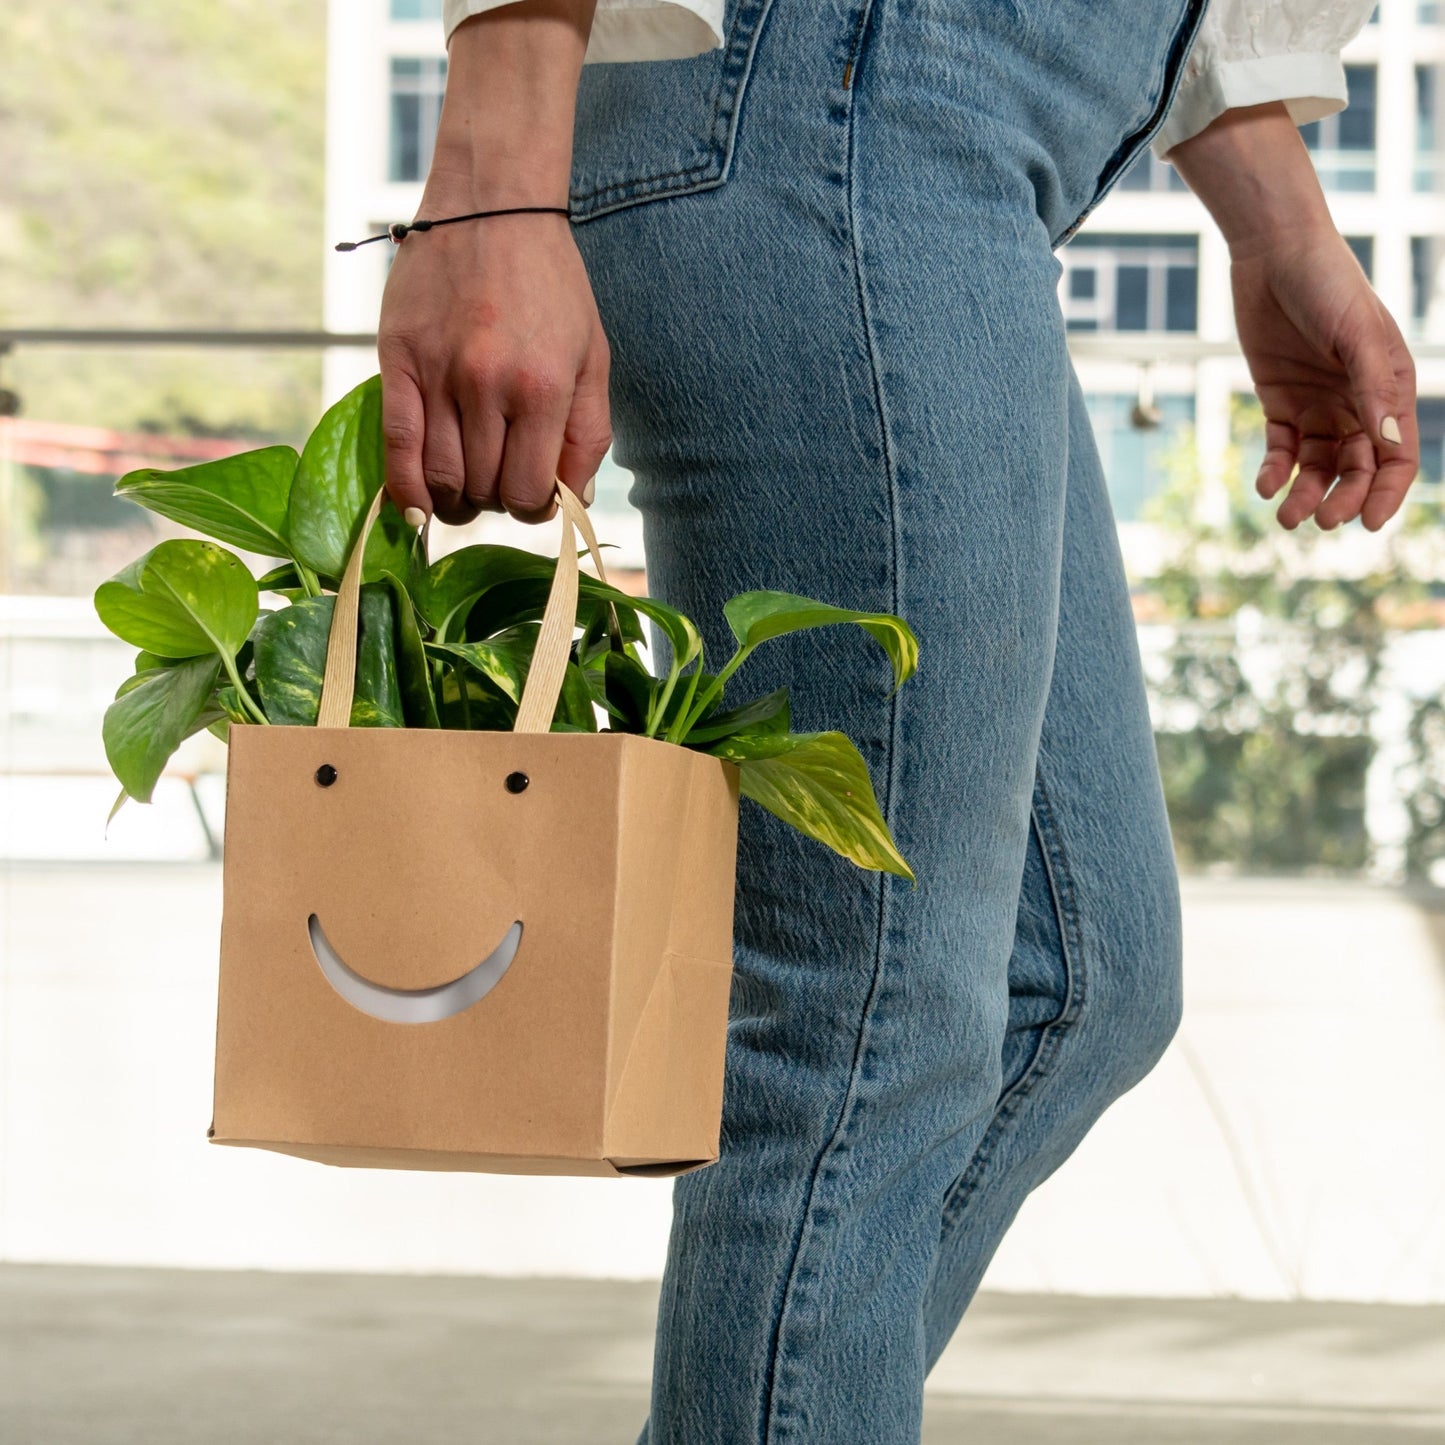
{"x": 647, "y": 129}
{"x": 1134, "y": 144}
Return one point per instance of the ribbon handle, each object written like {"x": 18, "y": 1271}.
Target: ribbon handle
{"x": 545, "y": 673}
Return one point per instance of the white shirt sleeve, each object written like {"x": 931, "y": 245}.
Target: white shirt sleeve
{"x": 629, "y": 29}
{"x": 1247, "y": 52}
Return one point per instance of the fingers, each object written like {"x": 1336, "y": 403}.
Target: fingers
{"x": 403, "y": 424}
{"x": 1318, "y": 467}
{"x": 1401, "y": 461}
{"x": 529, "y": 460}
{"x": 588, "y": 430}
{"x": 1357, "y": 473}
{"x": 444, "y": 459}
{"x": 1366, "y": 353}
{"x": 484, "y": 431}
{"x": 1281, "y": 450}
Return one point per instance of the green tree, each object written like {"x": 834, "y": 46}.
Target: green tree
{"x": 163, "y": 166}
{"x": 1265, "y": 705}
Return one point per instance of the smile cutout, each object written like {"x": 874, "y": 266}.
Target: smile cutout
{"x": 413, "y": 1005}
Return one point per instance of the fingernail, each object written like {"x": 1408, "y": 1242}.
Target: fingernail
{"x": 414, "y": 517}
{"x": 589, "y": 491}
{"x": 1390, "y": 430}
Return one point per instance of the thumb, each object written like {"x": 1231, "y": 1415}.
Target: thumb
{"x": 588, "y": 431}
{"x": 1365, "y": 351}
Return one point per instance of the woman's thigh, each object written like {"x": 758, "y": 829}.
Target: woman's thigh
{"x": 839, "y": 369}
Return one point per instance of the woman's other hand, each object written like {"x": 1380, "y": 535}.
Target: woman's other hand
{"x": 1330, "y": 368}
{"x": 493, "y": 359}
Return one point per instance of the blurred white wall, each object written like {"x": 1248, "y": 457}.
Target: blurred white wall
{"x": 1289, "y": 1144}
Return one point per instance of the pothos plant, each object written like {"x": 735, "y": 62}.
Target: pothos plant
{"x": 441, "y": 645}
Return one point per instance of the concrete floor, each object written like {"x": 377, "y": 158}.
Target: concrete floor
{"x": 94, "y": 1356}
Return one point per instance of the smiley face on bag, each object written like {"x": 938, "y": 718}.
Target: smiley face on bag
{"x": 412, "y": 920}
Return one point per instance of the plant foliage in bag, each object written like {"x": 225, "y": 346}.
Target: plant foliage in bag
{"x": 463, "y": 926}
{"x": 442, "y": 645}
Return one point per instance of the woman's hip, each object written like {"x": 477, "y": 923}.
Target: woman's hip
{"x": 949, "y": 95}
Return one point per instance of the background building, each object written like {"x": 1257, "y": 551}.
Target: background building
{"x": 1145, "y": 283}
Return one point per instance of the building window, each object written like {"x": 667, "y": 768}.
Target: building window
{"x": 1430, "y": 410}
{"x": 1426, "y": 254}
{"x": 1364, "y": 249}
{"x": 416, "y": 104}
{"x": 1130, "y": 283}
{"x": 1135, "y": 460}
{"x": 1343, "y": 144}
{"x": 1428, "y": 128}
{"x": 1149, "y": 173}
{"x": 416, "y": 9}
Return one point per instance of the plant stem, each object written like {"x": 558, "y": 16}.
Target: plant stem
{"x": 677, "y": 731}
{"x": 309, "y": 580}
{"x": 713, "y": 689}
{"x": 229, "y": 663}
{"x": 659, "y": 707}
{"x": 461, "y": 677}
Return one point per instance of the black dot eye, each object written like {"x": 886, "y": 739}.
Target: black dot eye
{"x": 325, "y": 775}
{"x": 516, "y": 782}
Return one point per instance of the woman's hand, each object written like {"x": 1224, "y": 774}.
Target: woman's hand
{"x": 493, "y": 360}
{"x": 1329, "y": 365}
{"x": 494, "y": 368}
{"x": 1334, "y": 378}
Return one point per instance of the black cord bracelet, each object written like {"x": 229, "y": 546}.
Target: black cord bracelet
{"x": 398, "y": 231}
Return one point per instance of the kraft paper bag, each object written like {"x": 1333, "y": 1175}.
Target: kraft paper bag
{"x": 498, "y": 951}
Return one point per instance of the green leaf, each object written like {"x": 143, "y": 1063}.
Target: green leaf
{"x": 454, "y": 584}
{"x": 596, "y": 640}
{"x": 240, "y": 500}
{"x": 502, "y": 659}
{"x": 280, "y": 579}
{"x": 817, "y": 782}
{"x": 228, "y": 701}
{"x": 121, "y": 799}
{"x": 764, "y": 715}
{"x": 413, "y": 670}
{"x": 182, "y": 599}
{"x": 628, "y": 689}
{"x": 341, "y": 469}
{"x": 757, "y": 616}
{"x": 574, "y": 711}
{"x": 154, "y": 713}
{"x": 291, "y": 662}
{"x": 677, "y": 627}
{"x": 487, "y": 707}
{"x": 286, "y": 581}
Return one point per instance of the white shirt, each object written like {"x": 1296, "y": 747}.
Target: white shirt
{"x": 1246, "y": 52}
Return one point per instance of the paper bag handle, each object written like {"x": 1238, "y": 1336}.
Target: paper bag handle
{"x": 548, "y": 666}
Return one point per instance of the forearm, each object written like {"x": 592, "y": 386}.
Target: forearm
{"x": 505, "y": 136}
{"x": 1251, "y": 169}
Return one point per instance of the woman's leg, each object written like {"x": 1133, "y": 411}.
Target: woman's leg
{"x": 843, "y": 373}
{"x": 1094, "y": 981}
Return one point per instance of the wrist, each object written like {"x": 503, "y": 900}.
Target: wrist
{"x": 505, "y": 133}
{"x": 1253, "y": 172}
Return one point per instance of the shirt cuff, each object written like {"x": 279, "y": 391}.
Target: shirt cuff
{"x": 1311, "y": 86}
{"x": 628, "y": 29}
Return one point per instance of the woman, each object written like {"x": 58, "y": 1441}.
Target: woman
{"x": 821, "y": 237}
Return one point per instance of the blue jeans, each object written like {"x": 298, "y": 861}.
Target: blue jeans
{"x": 824, "y": 258}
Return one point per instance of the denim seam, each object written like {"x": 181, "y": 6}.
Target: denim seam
{"x": 1062, "y": 891}
{"x": 1133, "y": 144}
{"x": 713, "y": 169}
{"x": 775, "y": 1420}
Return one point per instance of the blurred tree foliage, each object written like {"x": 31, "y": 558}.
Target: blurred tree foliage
{"x": 162, "y": 165}
{"x": 1272, "y": 678}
